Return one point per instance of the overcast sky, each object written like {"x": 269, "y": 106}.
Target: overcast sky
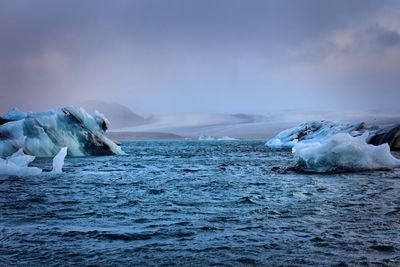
{"x": 180, "y": 56}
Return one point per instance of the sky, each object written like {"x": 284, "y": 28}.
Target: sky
{"x": 211, "y": 56}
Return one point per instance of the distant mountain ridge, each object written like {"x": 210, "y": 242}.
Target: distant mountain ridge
{"x": 124, "y": 136}
{"x": 119, "y": 115}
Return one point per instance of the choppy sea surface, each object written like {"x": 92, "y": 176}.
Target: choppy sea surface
{"x": 198, "y": 203}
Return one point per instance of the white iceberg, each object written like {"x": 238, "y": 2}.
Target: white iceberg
{"x": 58, "y": 160}
{"x": 313, "y": 131}
{"x": 343, "y": 152}
{"x": 43, "y": 134}
{"x": 17, "y": 165}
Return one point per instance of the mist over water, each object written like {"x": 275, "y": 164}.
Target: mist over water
{"x": 198, "y": 203}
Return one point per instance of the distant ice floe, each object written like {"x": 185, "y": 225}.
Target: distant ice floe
{"x": 205, "y": 138}
{"x": 211, "y": 138}
{"x": 326, "y": 146}
{"x": 43, "y": 134}
{"x": 343, "y": 152}
{"x": 226, "y": 138}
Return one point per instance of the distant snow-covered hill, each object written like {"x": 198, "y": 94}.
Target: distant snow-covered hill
{"x": 119, "y": 115}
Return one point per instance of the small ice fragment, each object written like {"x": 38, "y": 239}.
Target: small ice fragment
{"x": 17, "y": 165}
{"x": 58, "y": 160}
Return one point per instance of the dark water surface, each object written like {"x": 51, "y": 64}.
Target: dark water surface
{"x": 198, "y": 203}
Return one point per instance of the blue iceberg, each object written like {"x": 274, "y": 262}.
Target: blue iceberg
{"x": 43, "y": 134}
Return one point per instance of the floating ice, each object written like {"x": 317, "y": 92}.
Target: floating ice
{"x": 226, "y": 138}
{"x": 325, "y": 146}
{"x": 43, "y": 134}
{"x": 343, "y": 152}
{"x": 211, "y": 138}
{"x": 17, "y": 165}
{"x": 206, "y": 138}
{"x": 58, "y": 160}
{"x": 311, "y": 132}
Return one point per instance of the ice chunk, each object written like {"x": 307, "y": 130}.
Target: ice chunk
{"x": 58, "y": 160}
{"x": 20, "y": 159}
{"x": 319, "y": 130}
{"x": 343, "y": 152}
{"x": 43, "y": 134}
{"x": 313, "y": 131}
{"x": 17, "y": 165}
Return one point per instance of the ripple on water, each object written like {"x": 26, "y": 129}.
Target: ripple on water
{"x": 198, "y": 203}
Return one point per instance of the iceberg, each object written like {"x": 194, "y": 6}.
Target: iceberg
{"x": 313, "y": 131}
{"x": 319, "y": 130}
{"x": 343, "y": 152}
{"x": 43, "y": 134}
{"x": 326, "y": 146}
{"x": 17, "y": 165}
{"x": 58, "y": 160}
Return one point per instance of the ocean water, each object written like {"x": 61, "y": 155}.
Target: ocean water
{"x": 198, "y": 203}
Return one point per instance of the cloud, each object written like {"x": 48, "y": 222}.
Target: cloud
{"x": 196, "y": 56}
{"x": 354, "y": 65}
